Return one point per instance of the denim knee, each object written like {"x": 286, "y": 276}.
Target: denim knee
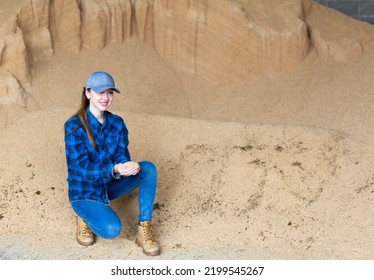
{"x": 109, "y": 230}
{"x": 148, "y": 167}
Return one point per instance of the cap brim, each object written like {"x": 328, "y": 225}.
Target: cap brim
{"x": 104, "y": 88}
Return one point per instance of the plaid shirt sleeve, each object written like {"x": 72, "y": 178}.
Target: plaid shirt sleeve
{"x": 77, "y": 157}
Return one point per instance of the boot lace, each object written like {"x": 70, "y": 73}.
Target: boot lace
{"x": 146, "y": 226}
{"x": 86, "y": 230}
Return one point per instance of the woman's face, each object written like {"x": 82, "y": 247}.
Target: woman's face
{"x": 100, "y": 100}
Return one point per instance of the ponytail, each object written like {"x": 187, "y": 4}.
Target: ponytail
{"x": 82, "y": 114}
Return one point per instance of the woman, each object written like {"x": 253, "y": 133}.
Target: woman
{"x": 100, "y": 168}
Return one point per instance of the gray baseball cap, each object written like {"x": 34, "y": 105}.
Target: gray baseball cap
{"x": 100, "y": 81}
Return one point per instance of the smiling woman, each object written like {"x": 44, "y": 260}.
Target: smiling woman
{"x": 100, "y": 168}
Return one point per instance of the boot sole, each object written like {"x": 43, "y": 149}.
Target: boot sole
{"x": 151, "y": 254}
{"x": 85, "y": 243}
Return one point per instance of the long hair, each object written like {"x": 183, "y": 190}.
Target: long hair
{"x": 82, "y": 114}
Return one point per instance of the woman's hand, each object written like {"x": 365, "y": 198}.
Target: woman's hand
{"x": 127, "y": 169}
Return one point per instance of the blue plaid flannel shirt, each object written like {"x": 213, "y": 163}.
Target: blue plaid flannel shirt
{"x": 90, "y": 170}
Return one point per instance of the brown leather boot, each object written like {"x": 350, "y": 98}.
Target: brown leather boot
{"x": 85, "y": 236}
{"x": 144, "y": 239}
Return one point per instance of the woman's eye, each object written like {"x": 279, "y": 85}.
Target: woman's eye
{"x": 105, "y": 92}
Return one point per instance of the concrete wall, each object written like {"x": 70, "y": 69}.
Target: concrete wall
{"x": 359, "y": 9}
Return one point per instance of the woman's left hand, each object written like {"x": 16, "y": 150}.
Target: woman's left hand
{"x": 128, "y": 168}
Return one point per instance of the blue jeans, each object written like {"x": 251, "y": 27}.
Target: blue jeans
{"x": 101, "y": 218}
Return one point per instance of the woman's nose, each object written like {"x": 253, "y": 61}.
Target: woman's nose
{"x": 105, "y": 96}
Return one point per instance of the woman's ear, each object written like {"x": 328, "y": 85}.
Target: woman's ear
{"x": 88, "y": 93}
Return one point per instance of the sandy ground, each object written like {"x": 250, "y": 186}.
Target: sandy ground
{"x": 276, "y": 167}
